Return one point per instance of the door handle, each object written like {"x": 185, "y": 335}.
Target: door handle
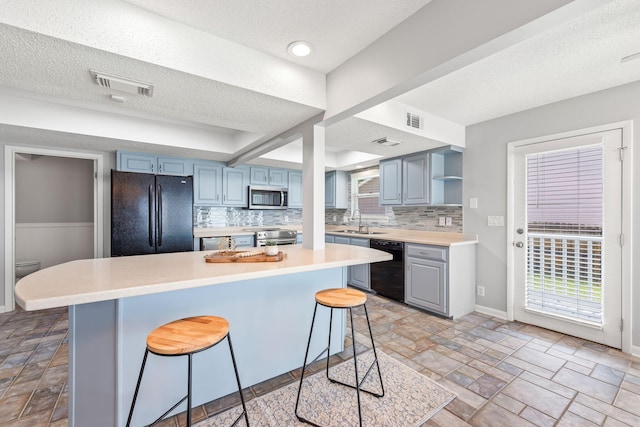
{"x": 159, "y": 189}
{"x": 150, "y": 215}
{"x": 518, "y": 244}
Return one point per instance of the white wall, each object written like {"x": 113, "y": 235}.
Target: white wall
{"x": 485, "y": 176}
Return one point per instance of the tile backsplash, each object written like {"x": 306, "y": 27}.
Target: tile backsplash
{"x": 213, "y": 216}
{"x": 425, "y": 218}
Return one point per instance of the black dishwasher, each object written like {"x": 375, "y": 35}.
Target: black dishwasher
{"x": 387, "y": 277}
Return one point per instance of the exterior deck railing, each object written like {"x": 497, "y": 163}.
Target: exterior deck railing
{"x": 564, "y": 275}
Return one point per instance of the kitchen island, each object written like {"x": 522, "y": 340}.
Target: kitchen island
{"x": 115, "y": 302}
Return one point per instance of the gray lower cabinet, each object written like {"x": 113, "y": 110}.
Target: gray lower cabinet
{"x": 426, "y": 279}
{"x": 358, "y": 275}
{"x": 441, "y": 279}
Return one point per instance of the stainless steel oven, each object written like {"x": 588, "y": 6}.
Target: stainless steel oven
{"x": 281, "y": 237}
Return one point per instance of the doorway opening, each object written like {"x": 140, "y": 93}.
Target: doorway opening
{"x": 26, "y": 226}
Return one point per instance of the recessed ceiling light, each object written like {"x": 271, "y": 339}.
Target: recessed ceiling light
{"x": 299, "y": 48}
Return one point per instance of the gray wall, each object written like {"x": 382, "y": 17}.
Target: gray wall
{"x": 53, "y": 189}
{"x": 485, "y": 176}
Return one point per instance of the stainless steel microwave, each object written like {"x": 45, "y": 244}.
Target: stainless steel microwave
{"x": 267, "y": 197}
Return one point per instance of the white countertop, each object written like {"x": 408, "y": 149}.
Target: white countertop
{"x": 438, "y": 238}
{"x": 93, "y": 280}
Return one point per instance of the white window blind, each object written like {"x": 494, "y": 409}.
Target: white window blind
{"x": 564, "y": 233}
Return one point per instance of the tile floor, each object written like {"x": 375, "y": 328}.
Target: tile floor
{"x": 505, "y": 373}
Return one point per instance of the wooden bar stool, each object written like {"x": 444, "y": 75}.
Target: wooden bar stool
{"x": 185, "y": 337}
{"x": 347, "y": 299}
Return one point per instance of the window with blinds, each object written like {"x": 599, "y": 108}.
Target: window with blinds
{"x": 564, "y": 233}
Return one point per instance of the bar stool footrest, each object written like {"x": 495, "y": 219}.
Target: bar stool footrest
{"x": 376, "y": 394}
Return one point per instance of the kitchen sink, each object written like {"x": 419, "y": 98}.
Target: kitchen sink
{"x": 357, "y": 232}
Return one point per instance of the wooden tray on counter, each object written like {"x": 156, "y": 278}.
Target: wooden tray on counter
{"x": 231, "y": 257}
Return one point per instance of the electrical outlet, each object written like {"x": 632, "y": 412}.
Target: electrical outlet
{"x": 449, "y": 221}
{"x": 286, "y": 218}
{"x": 480, "y": 291}
{"x": 335, "y": 218}
{"x": 442, "y": 221}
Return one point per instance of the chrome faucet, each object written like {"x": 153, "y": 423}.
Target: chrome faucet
{"x": 361, "y": 228}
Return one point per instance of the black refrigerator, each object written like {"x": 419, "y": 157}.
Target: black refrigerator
{"x": 150, "y": 213}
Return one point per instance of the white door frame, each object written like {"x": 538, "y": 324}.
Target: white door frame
{"x": 9, "y": 209}
{"x": 627, "y": 204}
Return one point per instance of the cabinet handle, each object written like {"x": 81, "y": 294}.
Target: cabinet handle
{"x": 224, "y": 197}
{"x": 159, "y": 168}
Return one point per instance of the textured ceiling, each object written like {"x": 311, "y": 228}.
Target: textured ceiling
{"x": 45, "y": 59}
{"x": 577, "y": 58}
{"x": 338, "y": 29}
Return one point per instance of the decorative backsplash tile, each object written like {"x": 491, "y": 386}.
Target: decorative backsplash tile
{"x": 212, "y": 216}
{"x": 425, "y": 218}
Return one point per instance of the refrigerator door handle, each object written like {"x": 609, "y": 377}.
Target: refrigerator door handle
{"x": 151, "y": 210}
{"x": 159, "y": 192}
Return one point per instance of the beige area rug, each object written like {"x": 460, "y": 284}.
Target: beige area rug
{"x": 410, "y": 399}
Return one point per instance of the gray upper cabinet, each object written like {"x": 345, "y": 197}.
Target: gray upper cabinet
{"x": 149, "y": 163}
{"x": 207, "y": 183}
{"x": 234, "y": 187}
{"x": 174, "y": 166}
{"x": 415, "y": 180}
{"x": 268, "y": 176}
{"x": 391, "y": 182}
{"x": 405, "y": 181}
{"x": 335, "y": 190}
{"x": 295, "y": 189}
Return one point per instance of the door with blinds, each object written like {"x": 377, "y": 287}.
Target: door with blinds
{"x": 567, "y": 244}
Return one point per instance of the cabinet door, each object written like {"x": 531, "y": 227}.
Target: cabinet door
{"x": 415, "y": 180}
{"x": 295, "y": 189}
{"x": 359, "y": 275}
{"x": 137, "y": 162}
{"x": 259, "y": 175}
{"x": 391, "y": 182}
{"x": 235, "y": 184}
{"x": 278, "y": 177}
{"x": 335, "y": 190}
{"x": 174, "y": 166}
{"x": 342, "y": 240}
{"x": 328, "y": 238}
{"x": 426, "y": 285}
{"x": 329, "y": 189}
{"x": 207, "y": 182}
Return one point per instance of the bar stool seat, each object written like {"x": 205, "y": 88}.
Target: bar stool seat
{"x": 348, "y": 299}
{"x": 185, "y": 337}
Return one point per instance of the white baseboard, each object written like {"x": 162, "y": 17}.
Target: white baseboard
{"x": 4, "y": 309}
{"x": 635, "y": 351}
{"x": 491, "y": 312}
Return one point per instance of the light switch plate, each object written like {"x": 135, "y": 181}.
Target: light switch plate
{"x": 449, "y": 221}
{"x": 495, "y": 221}
{"x": 473, "y": 203}
{"x": 442, "y": 221}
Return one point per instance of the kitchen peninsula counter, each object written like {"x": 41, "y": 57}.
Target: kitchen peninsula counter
{"x": 114, "y": 303}
{"x": 94, "y": 280}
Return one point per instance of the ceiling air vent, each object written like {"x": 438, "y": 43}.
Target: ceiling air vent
{"x": 414, "y": 121}
{"x": 387, "y": 142}
{"x": 122, "y": 84}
